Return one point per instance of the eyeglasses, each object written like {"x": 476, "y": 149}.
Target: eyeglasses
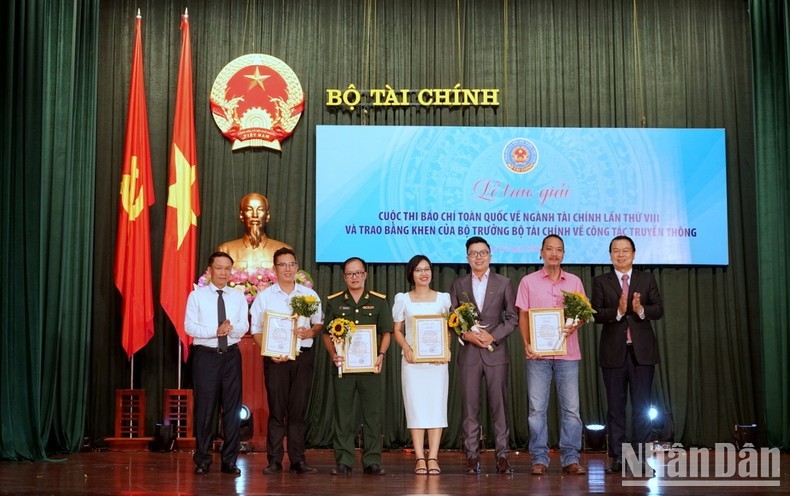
{"x": 286, "y": 265}
{"x": 481, "y": 253}
{"x": 352, "y": 275}
{"x": 423, "y": 270}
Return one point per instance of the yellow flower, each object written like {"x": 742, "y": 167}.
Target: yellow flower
{"x": 453, "y": 321}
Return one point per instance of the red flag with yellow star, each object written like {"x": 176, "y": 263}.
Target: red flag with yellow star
{"x": 183, "y": 208}
{"x": 133, "y": 245}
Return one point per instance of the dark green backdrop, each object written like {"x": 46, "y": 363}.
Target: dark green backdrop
{"x": 574, "y": 63}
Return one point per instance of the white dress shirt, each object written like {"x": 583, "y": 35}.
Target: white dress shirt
{"x": 274, "y": 299}
{"x": 201, "y": 320}
{"x": 479, "y": 287}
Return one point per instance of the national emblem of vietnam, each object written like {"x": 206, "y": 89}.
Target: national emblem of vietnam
{"x": 257, "y": 101}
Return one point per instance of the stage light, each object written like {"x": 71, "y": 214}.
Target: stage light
{"x": 246, "y": 426}
{"x": 662, "y": 429}
{"x": 745, "y": 434}
{"x": 164, "y": 438}
{"x": 595, "y": 437}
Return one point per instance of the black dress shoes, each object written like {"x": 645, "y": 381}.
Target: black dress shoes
{"x": 341, "y": 470}
{"x": 615, "y": 468}
{"x": 472, "y": 466}
{"x": 503, "y": 466}
{"x": 201, "y": 469}
{"x": 273, "y": 468}
{"x": 374, "y": 469}
{"x": 230, "y": 468}
{"x": 301, "y": 468}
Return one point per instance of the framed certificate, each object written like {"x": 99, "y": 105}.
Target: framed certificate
{"x": 362, "y": 351}
{"x": 430, "y": 342}
{"x": 546, "y": 333}
{"x": 278, "y": 336}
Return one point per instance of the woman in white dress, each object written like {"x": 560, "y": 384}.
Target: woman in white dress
{"x": 425, "y": 385}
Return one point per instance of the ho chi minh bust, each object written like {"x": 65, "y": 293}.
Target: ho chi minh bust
{"x": 254, "y": 249}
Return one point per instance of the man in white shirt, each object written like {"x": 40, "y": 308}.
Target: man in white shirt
{"x": 216, "y": 317}
{"x": 287, "y": 381}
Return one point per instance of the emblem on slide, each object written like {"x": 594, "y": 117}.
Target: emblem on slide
{"x": 257, "y": 101}
{"x": 520, "y": 156}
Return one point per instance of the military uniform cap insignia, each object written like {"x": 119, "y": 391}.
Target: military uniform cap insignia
{"x": 257, "y": 101}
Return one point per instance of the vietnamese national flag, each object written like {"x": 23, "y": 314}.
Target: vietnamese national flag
{"x": 183, "y": 209}
{"x": 133, "y": 245}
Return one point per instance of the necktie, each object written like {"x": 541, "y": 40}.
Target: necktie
{"x": 222, "y": 341}
{"x": 626, "y": 289}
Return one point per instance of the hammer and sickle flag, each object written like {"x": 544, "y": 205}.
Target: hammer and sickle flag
{"x": 133, "y": 244}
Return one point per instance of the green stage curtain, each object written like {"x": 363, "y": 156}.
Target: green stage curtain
{"x": 567, "y": 63}
{"x": 48, "y": 163}
{"x": 771, "y": 25}
{"x": 577, "y": 63}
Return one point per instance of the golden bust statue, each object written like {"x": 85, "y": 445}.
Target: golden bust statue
{"x": 254, "y": 249}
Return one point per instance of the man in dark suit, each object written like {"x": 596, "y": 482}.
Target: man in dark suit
{"x": 626, "y": 301}
{"x": 484, "y": 353}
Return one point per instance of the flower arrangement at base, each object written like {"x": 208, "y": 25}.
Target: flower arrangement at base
{"x": 304, "y": 278}
{"x": 341, "y": 330}
{"x": 577, "y": 308}
{"x": 465, "y": 319}
{"x": 253, "y": 281}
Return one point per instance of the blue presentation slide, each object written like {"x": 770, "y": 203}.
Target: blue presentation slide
{"x": 386, "y": 193}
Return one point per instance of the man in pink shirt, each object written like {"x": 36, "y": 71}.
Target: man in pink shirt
{"x": 543, "y": 289}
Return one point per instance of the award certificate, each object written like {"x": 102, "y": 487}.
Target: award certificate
{"x": 278, "y": 337}
{"x": 430, "y": 341}
{"x": 546, "y": 332}
{"x": 361, "y": 350}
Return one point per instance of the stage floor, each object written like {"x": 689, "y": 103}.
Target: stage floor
{"x": 142, "y": 472}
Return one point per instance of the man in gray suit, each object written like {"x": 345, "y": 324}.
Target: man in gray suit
{"x": 484, "y": 353}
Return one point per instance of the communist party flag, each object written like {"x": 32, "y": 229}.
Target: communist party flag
{"x": 183, "y": 209}
{"x": 133, "y": 246}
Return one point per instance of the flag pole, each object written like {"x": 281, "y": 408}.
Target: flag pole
{"x": 131, "y": 360}
{"x": 180, "y": 345}
{"x": 183, "y": 208}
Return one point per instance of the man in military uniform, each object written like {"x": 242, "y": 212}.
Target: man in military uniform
{"x": 362, "y": 307}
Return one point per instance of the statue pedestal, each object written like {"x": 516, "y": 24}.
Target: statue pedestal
{"x": 254, "y": 391}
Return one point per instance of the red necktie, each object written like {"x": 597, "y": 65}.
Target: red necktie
{"x": 626, "y": 288}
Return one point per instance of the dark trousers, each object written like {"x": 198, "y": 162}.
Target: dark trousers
{"x": 216, "y": 377}
{"x": 619, "y": 382}
{"x": 287, "y": 391}
{"x": 370, "y": 388}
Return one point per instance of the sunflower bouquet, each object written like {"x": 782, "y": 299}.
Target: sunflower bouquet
{"x": 341, "y": 330}
{"x": 465, "y": 319}
{"x": 577, "y": 308}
